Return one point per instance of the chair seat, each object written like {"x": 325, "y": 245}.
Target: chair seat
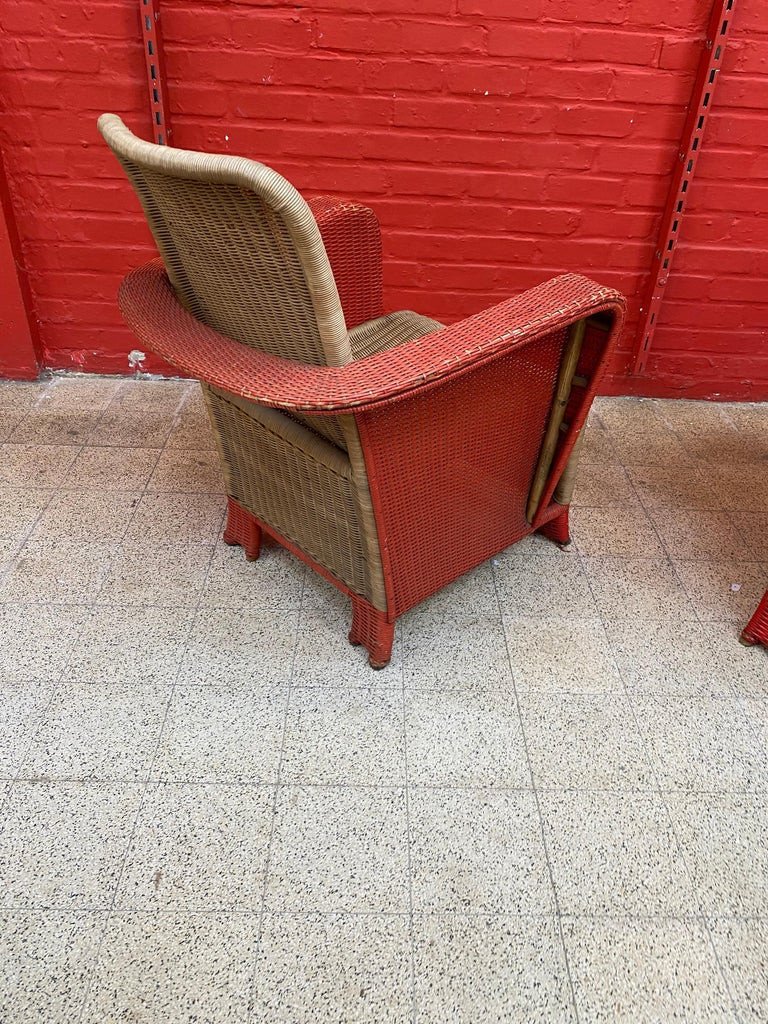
{"x": 386, "y": 332}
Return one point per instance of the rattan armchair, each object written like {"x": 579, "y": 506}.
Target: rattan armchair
{"x": 390, "y": 453}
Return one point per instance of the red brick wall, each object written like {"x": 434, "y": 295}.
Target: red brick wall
{"x": 500, "y": 143}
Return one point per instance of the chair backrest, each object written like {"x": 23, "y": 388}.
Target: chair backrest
{"x": 240, "y": 245}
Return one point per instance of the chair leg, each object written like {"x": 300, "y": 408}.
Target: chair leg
{"x": 243, "y": 529}
{"x": 756, "y": 630}
{"x": 370, "y": 629}
{"x": 557, "y": 530}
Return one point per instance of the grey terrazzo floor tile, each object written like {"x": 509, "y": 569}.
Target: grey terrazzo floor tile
{"x": 87, "y": 516}
{"x": 198, "y": 847}
{"x": 192, "y": 428}
{"x": 339, "y": 849}
{"x": 102, "y": 733}
{"x": 57, "y": 572}
{"x": 29, "y": 465}
{"x": 550, "y": 655}
{"x": 46, "y": 958}
{"x": 21, "y": 705}
{"x": 62, "y": 843}
{"x": 742, "y": 947}
{"x": 187, "y": 470}
{"x": 669, "y": 657}
{"x": 753, "y": 527}
{"x": 174, "y": 518}
{"x": 344, "y": 736}
{"x": 645, "y": 970}
{"x": 746, "y": 668}
{"x": 672, "y": 486}
{"x": 649, "y": 445}
{"x": 615, "y": 531}
{"x": 324, "y": 656}
{"x": 43, "y": 425}
{"x": 724, "y": 838}
{"x": 170, "y": 575}
{"x": 465, "y": 739}
{"x": 701, "y": 744}
{"x": 130, "y": 643}
{"x": 174, "y": 969}
{"x": 596, "y": 446}
{"x": 333, "y": 967}
{"x": 637, "y": 588}
{"x": 584, "y": 741}
{"x": 498, "y": 968}
{"x": 20, "y": 508}
{"x": 543, "y": 581}
{"x": 454, "y": 652}
{"x": 614, "y": 853}
{"x": 275, "y": 580}
{"x": 723, "y": 590}
{"x": 699, "y": 534}
{"x": 602, "y": 486}
{"x": 222, "y": 733}
{"x": 739, "y": 487}
{"x": 239, "y": 645}
{"x": 111, "y": 469}
{"x": 35, "y": 645}
{"x": 477, "y": 850}
{"x": 129, "y": 427}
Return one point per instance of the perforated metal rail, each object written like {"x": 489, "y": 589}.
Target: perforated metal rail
{"x": 149, "y": 13}
{"x": 690, "y": 147}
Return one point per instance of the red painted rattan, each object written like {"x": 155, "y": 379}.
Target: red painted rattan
{"x": 756, "y": 630}
{"x": 156, "y": 316}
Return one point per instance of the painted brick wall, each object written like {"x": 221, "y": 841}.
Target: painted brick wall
{"x": 499, "y": 142}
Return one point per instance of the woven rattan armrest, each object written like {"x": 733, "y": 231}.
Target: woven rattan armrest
{"x": 352, "y": 240}
{"x": 150, "y": 307}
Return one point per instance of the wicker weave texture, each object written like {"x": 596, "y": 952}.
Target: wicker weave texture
{"x": 296, "y": 482}
{"x": 756, "y": 631}
{"x": 352, "y": 240}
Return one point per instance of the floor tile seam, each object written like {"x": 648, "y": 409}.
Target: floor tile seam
{"x": 670, "y": 558}
{"x": 620, "y": 675}
{"x": 408, "y": 844}
{"x": 671, "y": 822}
{"x": 539, "y": 812}
{"x": 275, "y": 797}
{"x": 403, "y": 915}
{"x": 157, "y": 780}
{"x": 741, "y": 532}
{"x": 141, "y": 804}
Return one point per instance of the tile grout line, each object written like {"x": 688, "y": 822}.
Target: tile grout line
{"x": 553, "y": 887}
{"x": 273, "y": 817}
{"x": 149, "y": 776}
{"x": 408, "y": 845}
{"x": 641, "y": 732}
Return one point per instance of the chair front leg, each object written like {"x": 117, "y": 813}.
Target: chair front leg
{"x": 242, "y": 528}
{"x": 557, "y": 529}
{"x": 370, "y": 629}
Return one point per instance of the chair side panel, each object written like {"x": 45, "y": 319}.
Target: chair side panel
{"x": 451, "y": 470}
{"x": 292, "y": 480}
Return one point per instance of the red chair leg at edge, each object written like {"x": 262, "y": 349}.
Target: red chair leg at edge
{"x": 370, "y": 629}
{"x": 557, "y": 529}
{"x": 756, "y": 630}
{"x": 242, "y": 529}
